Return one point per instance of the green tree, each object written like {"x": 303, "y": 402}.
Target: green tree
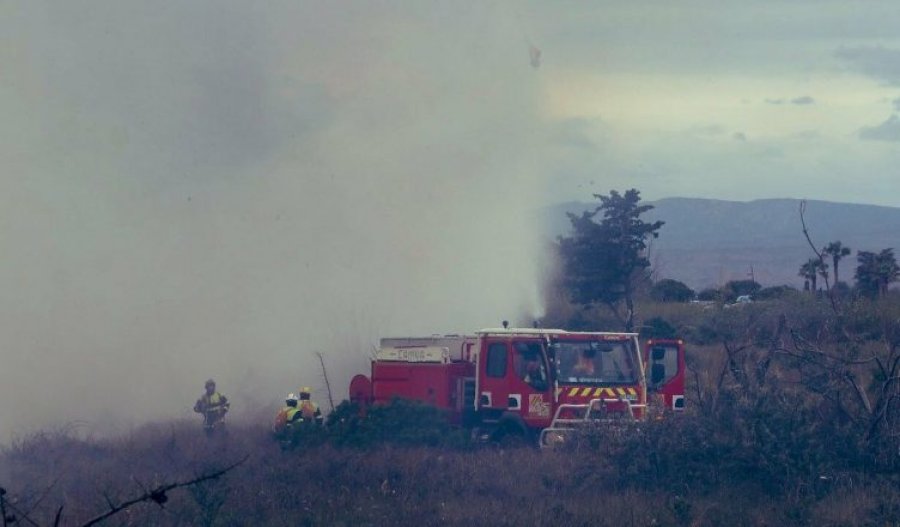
{"x": 668, "y": 290}
{"x": 875, "y": 272}
{"x": 773, "y": 292}
{"x": 710, "y": 294}
{"x": 837, "y": 251}
{"x": 603, "y": 261}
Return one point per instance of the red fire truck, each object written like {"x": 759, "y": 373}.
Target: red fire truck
{"x": 529, "y": 382}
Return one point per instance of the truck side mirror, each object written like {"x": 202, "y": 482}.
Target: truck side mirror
{"x": 657, "y": 373}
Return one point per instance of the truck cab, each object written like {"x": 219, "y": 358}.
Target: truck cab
{"x": 547, "y": 378}
{"x": 514, "y": 381}
{"x": 602, "y": 369}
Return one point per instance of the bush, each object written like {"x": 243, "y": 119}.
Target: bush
{"x": 710, "y": 295}
{"x": 775, "y": 292}
{"x": 736, "y": 288}
{"x": 668, "y": 290}
{"x": 401, "y": 422}
{"x": 658, "y": 328}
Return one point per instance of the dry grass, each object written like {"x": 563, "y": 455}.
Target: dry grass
{"x": 387, "y": 485}
{"x": 745, "y": 453}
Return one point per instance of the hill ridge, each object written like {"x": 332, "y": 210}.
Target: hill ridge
{"x": 706, "y": 242}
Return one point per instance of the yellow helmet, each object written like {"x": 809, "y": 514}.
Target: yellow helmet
{"x": 305, "y": 390}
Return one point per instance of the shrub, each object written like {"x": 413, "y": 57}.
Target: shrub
{"x": 658, "y": 328}
{"x": 668, "y": 290}
{"x": 401, "y": 422}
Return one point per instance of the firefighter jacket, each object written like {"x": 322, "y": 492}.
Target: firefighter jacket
{"x": 310, "y": 411}
{"x": 212, "y": 404}
{"x": 286, "y": 416}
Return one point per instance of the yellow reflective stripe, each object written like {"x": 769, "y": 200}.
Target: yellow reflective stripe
{"x": 598, "y": 392}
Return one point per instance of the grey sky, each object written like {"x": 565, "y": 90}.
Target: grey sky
{"x": 224, "y": 187}
{"x": 802, "y": 82}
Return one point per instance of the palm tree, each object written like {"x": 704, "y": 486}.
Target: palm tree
{"x": 811, "y": 271}
{"x": 837, "y": 251}
{"x": 888, "y": 270}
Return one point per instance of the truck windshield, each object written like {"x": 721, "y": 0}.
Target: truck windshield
{"x": 596, "y": 362}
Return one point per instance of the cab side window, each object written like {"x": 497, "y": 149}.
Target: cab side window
{"x": 496, "y": 360}
{"x": 529, "y": 364}
{"x": 663, "y": 364}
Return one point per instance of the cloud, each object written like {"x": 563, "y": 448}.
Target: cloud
{"x": 875, "y": 61}
{"x": 807, "y": 135}
{"x": 886, "y": 131}
{"x": 896, "y": 103}
{"x": 800, "y": 101}
{"x": 710, "y": 130}
{"x": 739, "y": 136}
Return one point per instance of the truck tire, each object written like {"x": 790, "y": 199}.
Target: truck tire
{"x": 511, "y": 431}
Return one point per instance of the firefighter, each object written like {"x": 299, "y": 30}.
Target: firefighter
{"x": 534, "y": 372}
{"x": 213, "y": 405}
{"x": 288, "y": 415}
{"x": 585, "y": 364}
{"x": 308, "y": 409}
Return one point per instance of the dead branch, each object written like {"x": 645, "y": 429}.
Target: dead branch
{"x": 802, "y": 345}
{"x": 325, "y": 376}
{"x": 158, "y": 495}
{"x": 8, "y": 512}
{"x": 762, "y": 368}
{"x": 697, "y": 387}
{"x": 818, "y": 254}
{"x": 859, "y": 391}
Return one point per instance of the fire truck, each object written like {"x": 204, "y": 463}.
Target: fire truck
{"x": 536, "y": 383}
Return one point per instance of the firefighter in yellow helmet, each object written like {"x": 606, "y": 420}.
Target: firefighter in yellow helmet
{"x": 213, "y": 405}
{"x": 309, "y": 409}
{"x": 288, "y": 415}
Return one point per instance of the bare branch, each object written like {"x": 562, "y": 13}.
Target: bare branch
{"x": 6, "y": 508}
{"x": 158, "y": 494}
{"x": 859, "y": 391}
{"x": 41, "y": 498}
{"x": 818, "y": 255}
{"x": 325, "y": 376}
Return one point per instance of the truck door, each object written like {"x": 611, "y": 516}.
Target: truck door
{"x": 494, "y": 367}
{"x": 665, "y": 371}
{"x": 530, "y": 384}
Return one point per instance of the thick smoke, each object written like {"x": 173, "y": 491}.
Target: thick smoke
{"x": 221, "y": 189}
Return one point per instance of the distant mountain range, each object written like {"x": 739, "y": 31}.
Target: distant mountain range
{"x": 707, "y": 242}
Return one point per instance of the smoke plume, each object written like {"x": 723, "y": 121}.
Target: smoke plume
{"x": 222, "y": 189}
